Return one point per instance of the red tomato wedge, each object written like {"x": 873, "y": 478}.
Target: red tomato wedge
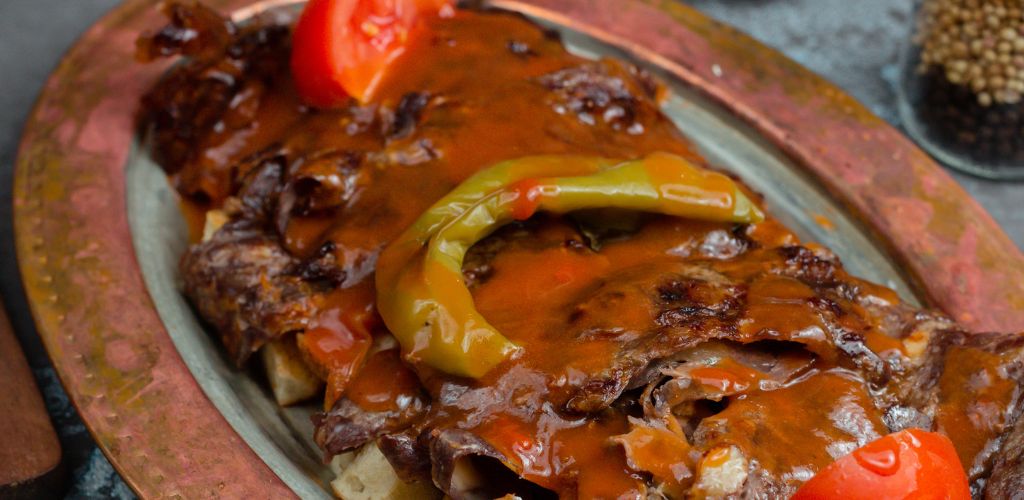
{"x": 911, "y": 464}
{"x": 343, "y": 48}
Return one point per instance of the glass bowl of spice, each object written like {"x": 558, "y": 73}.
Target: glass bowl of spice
{"x": 962, "y": 86}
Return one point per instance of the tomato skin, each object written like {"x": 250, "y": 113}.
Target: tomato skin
{"x": 911, "y": 464}
{"x": 343, "y": 48}
{"x": 311, "y": 55}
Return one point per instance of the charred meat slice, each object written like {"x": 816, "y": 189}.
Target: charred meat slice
{"x": 761, "y": 426}
{"x": 406, "y": 116}
{"x": 697, "y": 382}
{"x": 1007, "y": 479}
{"x": 690, "y": 304}
{"x": 659, "y": 448}
{"x": 348, "y": 426}
{"x": 194, "y": 31}
{"x": 372, "y": 409}
{"x": 971, "y": 387}
{"x": 216, "y": 91}
{"x": 408, "y": 453}
{"x": 241, "y": 281}
{"x": 467, "y": 467}
{"x": 260, "y": 179}
{"x": 324, "y": 181}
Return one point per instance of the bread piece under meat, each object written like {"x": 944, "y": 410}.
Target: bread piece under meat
{"x": 290, "y": 379}
{"x": 214, "y": 220}
{"x": 370, "y": 477}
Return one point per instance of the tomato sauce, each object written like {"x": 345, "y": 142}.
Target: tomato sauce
{"x": 573, "y": 305}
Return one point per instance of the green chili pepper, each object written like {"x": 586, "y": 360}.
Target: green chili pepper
{"x": 486, "y": 181}
{"x": 420, "y": 291}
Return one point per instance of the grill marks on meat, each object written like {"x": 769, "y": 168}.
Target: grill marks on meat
{"x": 601, "y": 93}
{"x": 449, "y": 450}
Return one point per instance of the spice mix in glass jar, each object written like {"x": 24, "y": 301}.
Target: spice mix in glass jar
{"x": 963, "y": 85}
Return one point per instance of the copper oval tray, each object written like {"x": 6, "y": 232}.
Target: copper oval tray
{"x": 98, "y": 231}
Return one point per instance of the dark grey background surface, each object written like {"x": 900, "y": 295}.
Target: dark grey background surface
{"x": 853, "y": 43}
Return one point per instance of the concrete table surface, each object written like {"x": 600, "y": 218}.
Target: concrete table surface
{"x": 854, "y": 44}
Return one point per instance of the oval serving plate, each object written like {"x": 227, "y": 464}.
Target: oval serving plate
{"x": 99, "y": 232}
